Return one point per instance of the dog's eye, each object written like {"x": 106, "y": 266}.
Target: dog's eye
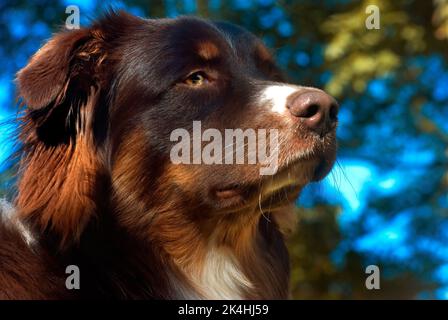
{"x": 196, "y": 79}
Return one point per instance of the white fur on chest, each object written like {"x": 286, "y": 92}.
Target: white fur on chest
{"x": 221, "y": 278}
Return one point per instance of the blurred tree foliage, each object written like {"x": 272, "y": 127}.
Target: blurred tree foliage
{"x": 386, "y": 202}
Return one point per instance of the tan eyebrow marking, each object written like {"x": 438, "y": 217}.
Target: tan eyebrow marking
{"x": 207, "y": 50}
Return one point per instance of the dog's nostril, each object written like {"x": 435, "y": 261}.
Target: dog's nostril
{"x": 312, "y": 110}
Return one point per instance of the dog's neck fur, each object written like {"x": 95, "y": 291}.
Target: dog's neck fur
{"x": 242, "y": 259}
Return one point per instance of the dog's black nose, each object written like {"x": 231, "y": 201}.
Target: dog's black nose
{"x": 317, "y": 110}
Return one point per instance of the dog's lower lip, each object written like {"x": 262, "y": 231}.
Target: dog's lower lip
{"x": 323, "y": 156}
{"x": 281, "y": 197}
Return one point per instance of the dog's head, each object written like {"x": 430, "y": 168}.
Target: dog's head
{"x": 113, "y": 115}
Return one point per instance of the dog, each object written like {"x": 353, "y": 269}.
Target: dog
{"x": 96, "y": 188}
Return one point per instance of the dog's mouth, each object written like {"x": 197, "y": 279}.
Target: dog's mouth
{"x": 282, "y": 188}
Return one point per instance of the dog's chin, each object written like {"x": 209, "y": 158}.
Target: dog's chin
{"x": 274, "y": 191}
{"x": 301, "y": 169}
{"x": 320, "y": 159}
{"x": 283, "y": 187}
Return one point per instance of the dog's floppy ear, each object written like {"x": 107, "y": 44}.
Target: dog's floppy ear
{"x": 60, "y": 166}
{"x": 63, "y": 177}
{"x": 45, "y": 77}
